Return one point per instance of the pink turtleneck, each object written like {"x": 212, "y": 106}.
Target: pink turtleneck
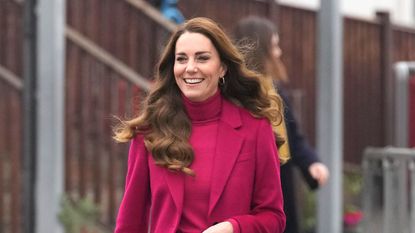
{"x": 204, "y": 117}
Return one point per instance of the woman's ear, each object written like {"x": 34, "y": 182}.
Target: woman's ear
{"x": 224, "y": 69}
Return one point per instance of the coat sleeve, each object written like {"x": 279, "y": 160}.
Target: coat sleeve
{"x": 267, "y": 214}
{"x": 302, "y": 154}
{"x": 133, "y": 214}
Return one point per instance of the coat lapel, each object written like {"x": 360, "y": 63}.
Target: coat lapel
{"x": 175, "y": 181}
{"x": 228, "y": 145}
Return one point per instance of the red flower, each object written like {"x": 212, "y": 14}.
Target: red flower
{"x": 352, "y": 218}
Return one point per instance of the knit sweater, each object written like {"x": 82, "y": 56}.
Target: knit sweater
{"x": 204, "y": 117}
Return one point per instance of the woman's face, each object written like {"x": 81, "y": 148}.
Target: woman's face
{"x": 276, "y": 51}
{"x": 197, "y": 66}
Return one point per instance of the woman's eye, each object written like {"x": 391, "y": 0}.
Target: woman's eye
{"x": 180, "y": 59}
{"x": 203, "y": 58}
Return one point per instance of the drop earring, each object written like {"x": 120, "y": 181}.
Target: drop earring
{"x": 222, "y": 81}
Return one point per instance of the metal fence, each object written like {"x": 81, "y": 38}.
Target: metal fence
{"x": 389, "y": 190}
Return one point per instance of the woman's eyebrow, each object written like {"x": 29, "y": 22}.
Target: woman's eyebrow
{"x": 197, "y": 53}
{"x": 202, "y": 52}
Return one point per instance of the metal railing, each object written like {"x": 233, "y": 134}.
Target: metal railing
{"x": 106, "y": 58}
{"x": 11, "y": 78}
{"x": 404, "y": 73}
{"x": 389, "y": 190}
{"x": 153, "y": 13}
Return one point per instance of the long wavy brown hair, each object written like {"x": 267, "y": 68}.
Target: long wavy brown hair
{"x": 163, "y": 121}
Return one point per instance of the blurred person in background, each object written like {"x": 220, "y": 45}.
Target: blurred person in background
{"x": 203, "y": 156}
{"x": 169, "y": 10}
{"x": 264, "y": 56}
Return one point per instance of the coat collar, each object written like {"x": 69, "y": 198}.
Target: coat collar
{"x": 231, "y": 115}
{"x": 225, "y": 159}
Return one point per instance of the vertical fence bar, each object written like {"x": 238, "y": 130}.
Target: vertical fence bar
{"x": 330, "y": 114}
{"x": 372, "y": 201}
{"x": 29, "y": 116}
{"x": 50, "y": 115}
{"x": 15, "y": 161}
{"x": 3, "y": 152}
{"x": 395, "y": 198}
{"x": 386, "y": 37}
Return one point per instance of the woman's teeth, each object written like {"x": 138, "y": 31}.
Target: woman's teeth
{"x": 193, "y": 80}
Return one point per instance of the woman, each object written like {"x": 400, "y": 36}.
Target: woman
{"x": 262, "y": 36}
{"x": 203, "y": 155}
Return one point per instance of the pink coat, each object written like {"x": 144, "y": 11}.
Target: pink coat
{"x": 245, "y": 184}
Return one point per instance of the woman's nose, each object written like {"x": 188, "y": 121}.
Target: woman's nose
{"x": 191, "y": 67}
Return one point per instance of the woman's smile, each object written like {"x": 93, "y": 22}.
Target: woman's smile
{"x": 193, "y": 80}
{"x": 197, "y": 66}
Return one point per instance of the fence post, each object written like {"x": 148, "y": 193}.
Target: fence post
{"x": 404, "y": 104}
{"x": 29, "y": 118}
{"x": 386, "y": 78}
{"x": 50, "y": 114}
{"x": 330, "y": 114}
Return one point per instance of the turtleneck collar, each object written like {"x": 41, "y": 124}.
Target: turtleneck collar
{"x": 207, "y": 110}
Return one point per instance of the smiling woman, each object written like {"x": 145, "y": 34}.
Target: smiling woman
{"x": 197, "y": 67}
{"x": 204, "y": 136}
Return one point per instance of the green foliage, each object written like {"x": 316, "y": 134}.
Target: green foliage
{"x": 309, "y": 211}
{"x": 352, "y": 189}
{"x": 78, "y": 216}
{"x": 353, "y": 183}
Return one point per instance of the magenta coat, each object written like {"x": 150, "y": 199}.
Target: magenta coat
{"x": 245, "y": 184}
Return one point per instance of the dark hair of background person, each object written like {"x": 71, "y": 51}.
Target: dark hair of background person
{"x": 253, "y": 35}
